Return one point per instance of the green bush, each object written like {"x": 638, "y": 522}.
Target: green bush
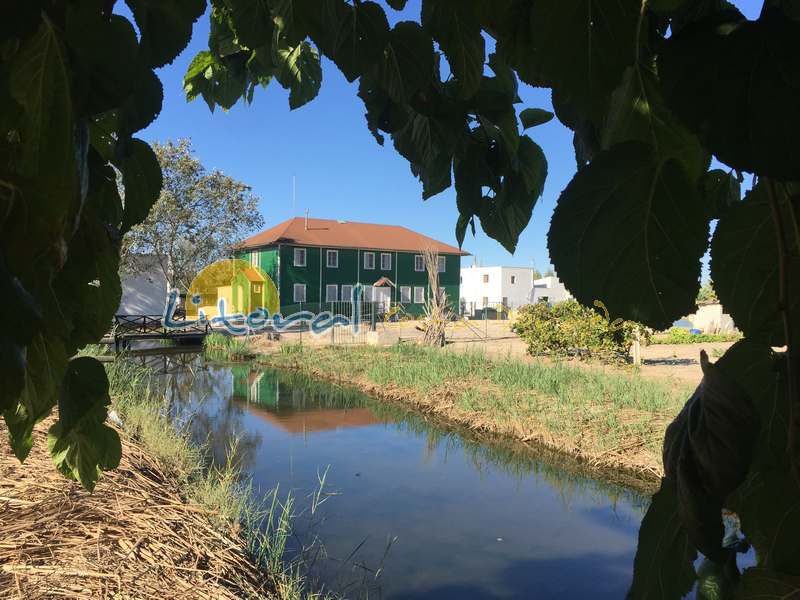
{"x": 679, "y": 335}
{"x": 569, "y": 328}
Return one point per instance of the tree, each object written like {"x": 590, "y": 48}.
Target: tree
{"x": 651, "y": 90}
{"x": 197, "y": 219}
{"x": 707, "y": 293}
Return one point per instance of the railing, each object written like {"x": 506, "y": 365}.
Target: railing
{"x": 143, "y": 327}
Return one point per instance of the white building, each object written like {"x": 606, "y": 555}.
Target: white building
{"x": 549, "y": 289}
{"x": 493, "y": 287}
{"x": 145, "y": 292}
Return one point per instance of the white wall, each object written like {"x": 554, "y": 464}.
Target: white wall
{"x": 550, "y": 288}
{"x": 143, "y": 294}
{"x": 498, "y": 289}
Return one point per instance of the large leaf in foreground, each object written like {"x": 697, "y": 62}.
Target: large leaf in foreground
{"x": 455, "y": 25}
{"x": 663, "y": 568}
{"x": 578, "y": 48}
{"x": 80, "y": 442}
{"x": 165, "y": 27}
{"x": 299, "y": 71}
{"x": 744, "y": 266}
{"x": 738, "y": 87}
{"x": 629, "y": 230}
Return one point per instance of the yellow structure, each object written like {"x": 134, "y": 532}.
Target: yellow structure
{"x": 244, "y": 288}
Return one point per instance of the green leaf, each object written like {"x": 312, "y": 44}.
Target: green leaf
{"x": 759, "y": 583}
{"x": 629, "y": 230}
{"x": 744, "y": 266}
{"x": 39, "y": 80}
{"x": 361, "y": 39}
{"x": 252, "y": 21}
{"x": 46, "y": 363}
{"x": 106, "y": 49}
{"x": 638, "y": 112}
{"x": 505, "y": 216}
{"x": 737, "y": 86}
{"x": 721, "y": 191}
{"x": 144, "y": 104}
{"x": 533, "y": 117}
{"x": 397, "y": 4}
{"x": 663, "y": 568}
{"x": 580, "y": 49}
{"x": 407, "y": 63}
{"x": 165, "y": 27}
{"x": 299, "y": 71}
{"x": 455, "y": 25}
{"x": 665, "y": 6}
{"x": 141, "y": 178}
{"x": 81, "y": 445}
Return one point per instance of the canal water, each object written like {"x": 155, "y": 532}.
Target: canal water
{"x": 408, "y": 510}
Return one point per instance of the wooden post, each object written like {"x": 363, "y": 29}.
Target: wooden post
{"x": 637, "y": 348}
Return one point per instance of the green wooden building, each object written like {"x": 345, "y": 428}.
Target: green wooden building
{"x": 316, "y": 262}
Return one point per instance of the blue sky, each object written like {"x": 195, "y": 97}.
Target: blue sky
{"x": 340, "y": 171}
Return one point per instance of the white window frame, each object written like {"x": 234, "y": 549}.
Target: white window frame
{"x": 335, "y": 255}
{"x": 331, "y": 287}
{"x": 386, "y": 266}
{"x": 419, "y": 263}
{"x": 300, "y": 252}
{"x": 366, "y": 267}
{"x": 299, "y": 287}
{"x": 254, "y": 258}
{"x": 419, "y": 294}
{"x": 441, "y": 264}
{"x": 368, "y": 293}
{"x": 405, "y": 294}
{"x": 347, "y": 293}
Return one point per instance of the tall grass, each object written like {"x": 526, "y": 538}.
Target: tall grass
{"x": 222, "y": 347}
{"x": 592, "y": 412}
{"x": 264, "y": 525}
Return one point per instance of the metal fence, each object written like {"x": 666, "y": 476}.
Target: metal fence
{"x": 492, "y": 311}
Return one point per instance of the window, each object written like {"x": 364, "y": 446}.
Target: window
{"x": 369, "y": 260}
{"x": 513, "y": 279}
{"x": 347, "y": 293}
{"x": 368, "y": 294}
{"x": 254, "y": 259}
{"x": 299, "y": 292}
{"x": 419, "y": 263}
{"x": 331, "y": 293}
{"x": 505, "y": 301}
{"x": 386, "y": 261}
{"x": 460, "y": 279}
{"x": 485, "y": 279}
{"x": 332, "y": 258}
{"x": 299, "y": 257}
{"x": 419, "y": 295}
{"x": 405, "y": 294}
{"x": 442, "y": 294}
{"x": 544, "y": 299}
{"x": 256, "y": 288}
{"x": 485, "y": 298}
{"x": 442, "y": 264}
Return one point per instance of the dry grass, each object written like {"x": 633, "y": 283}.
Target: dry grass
{"x": 134, "y": 537}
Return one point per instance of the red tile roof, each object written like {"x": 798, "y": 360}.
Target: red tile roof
{"x": 328, "y": 233}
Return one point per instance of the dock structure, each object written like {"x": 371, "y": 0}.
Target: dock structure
{"x": 128, "y": 328}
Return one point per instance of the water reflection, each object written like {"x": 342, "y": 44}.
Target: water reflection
{"x": 468, "y": 519}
